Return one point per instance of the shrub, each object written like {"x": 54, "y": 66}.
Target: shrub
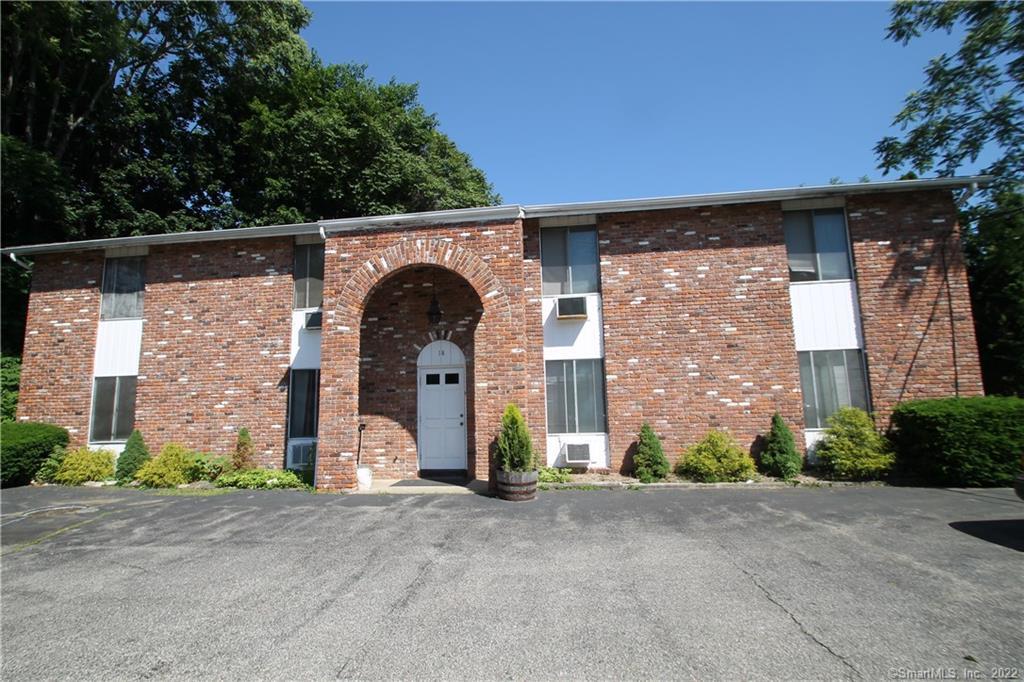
{"x": 553, "y": 475}
{"x": 82, "y": 464}
{"x": 51, "y": 465}
{"x": 262, "y": 479}
{"x": 649, "y": 463}
{"x": 780, "y": 457}
{"x": 168, "y": 469}
{"x": 244, "y": 451}
{"x": 205, "y": 467}
{"x": 715, "y": 459}
{"x": 10, "y": 376}
{"x": 515, "y": 453}
{"x": 960, "y": 441}
{"x": 134, "y": 455}
{"x": 23, "y": 448}
{"x": 852, "y": 448}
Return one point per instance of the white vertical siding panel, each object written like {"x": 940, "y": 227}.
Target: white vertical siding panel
{"x": 573, "y": 339}
{"x": 826, "y": 315}
{"x": 305, "y": 343}
{"x": 118, "y": 346}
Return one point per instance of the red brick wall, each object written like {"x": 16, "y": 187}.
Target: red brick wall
{"x": 914, "y": 298}
{"x": 394, "y": 329}
{"x": 698, "y": 325}
{"x": 489, "y": 257}
{"x": 60, "y": 341}
{"x": 216, "y": 346}
{"x": 536, "y": 397}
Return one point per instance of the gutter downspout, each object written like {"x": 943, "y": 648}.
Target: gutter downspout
{"x": 21, "y": 264}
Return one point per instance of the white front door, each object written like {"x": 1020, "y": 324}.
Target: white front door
{"x": 442, "y": 417}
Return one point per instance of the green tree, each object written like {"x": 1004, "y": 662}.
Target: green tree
{"x": 780, "y": 457}
{"x": 971, "y": 100}
{"x": 972, "y": 103}
{"x": 649, "y": 462}
{"x": 125, "y": 118}
{"x": 242, "y": 458}
{"x": 515, "y": 451}
{"x": 10, "y": 375}
{"x": 134, "y": 455}
{"x": 994, "y": 247}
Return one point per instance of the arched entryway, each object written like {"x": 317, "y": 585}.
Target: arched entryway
{"x": 397, "y": 340}
{"x": 377, "y": 293}
{"x": 441, "y": 408}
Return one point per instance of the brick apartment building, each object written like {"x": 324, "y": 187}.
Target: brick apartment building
{"x": 690, "y": 313}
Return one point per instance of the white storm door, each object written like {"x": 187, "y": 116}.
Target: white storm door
{"x": 442, "y": 418}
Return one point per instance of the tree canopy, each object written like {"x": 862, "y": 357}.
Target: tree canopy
{"x": 971, "y": 104}
{"x": 126, "y": 118}
{"x": 971, "y": 100}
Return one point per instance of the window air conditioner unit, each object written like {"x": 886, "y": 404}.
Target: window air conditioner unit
{"x": 301, "y": 454}
{"x": 576, "y": 453}
{"x": 314, "y": 320}
{"x": 572, "y": 308}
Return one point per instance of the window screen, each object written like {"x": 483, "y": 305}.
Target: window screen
{"x": 830, "y": 379}
{"x": 575, "y": 396}
{"x": 309, "y": 275}
{"x": 303, "y": 403}
{"x": 113, "y": 409}
{"x": 569, "y": 260}
{"x": 123, "y": 288}
{"x": 816, "y": 245}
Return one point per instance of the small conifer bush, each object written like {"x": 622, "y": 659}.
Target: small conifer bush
{"x": 649, "y": 462}
{"x": 168, "y": 469}
{"x": 244, "y": 451}
{"x": 515, "y": 452}
{"x": 852, "y": 448}
{"x": 716, "y": 459}
{"x": 48, "y": 471}
{"x": 780, "y": 457}
{"x": 82, "y": 464}
{"x": 134, "y": 455}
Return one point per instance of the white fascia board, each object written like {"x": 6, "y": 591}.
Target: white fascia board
{"x": 458, "y": 215}
{"x": 169, "y": 238}
{"x": 506, "y": 212}
{"x": 751, "y": 197}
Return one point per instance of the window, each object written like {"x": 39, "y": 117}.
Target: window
{"x": 451, "y": 378}
{"x": 303, "y": 403}
{"x": 575, "y": 393}
{"x": 831, "y": 379}
{"x": 309, "y": 275}
{"x": 124, "y": 284}
{"x": 816, "y": 245}
{"x": 433, "y": 380}
{"x": 113, "y": 409}
{"x": 568, "y": 260}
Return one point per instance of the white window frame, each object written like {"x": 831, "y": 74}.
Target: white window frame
{"x": 590, "y": 227}
{"x": 604, "y": 398}
{"x": 822, "y": 421}
{"x": 113, "y": 415}
{"x": 817, "y": 254}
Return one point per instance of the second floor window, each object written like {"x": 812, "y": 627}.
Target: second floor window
{"x": 816, "y": 245}
{"x": 309, "y": 275}
{"x": 124, "y": 284}
{"x": 568, "y": 260}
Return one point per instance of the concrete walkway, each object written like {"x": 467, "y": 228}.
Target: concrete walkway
{"x": 389, "y": 486}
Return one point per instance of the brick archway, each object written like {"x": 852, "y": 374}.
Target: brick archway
{"x": 349, "y": 282}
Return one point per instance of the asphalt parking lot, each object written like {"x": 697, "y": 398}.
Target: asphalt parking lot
{"x": 801, "y": 583}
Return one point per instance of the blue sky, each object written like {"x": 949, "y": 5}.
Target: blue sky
{"x": 590, "y": 101}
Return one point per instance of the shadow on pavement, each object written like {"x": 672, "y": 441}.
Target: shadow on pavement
{"x": 1005, "y": 532}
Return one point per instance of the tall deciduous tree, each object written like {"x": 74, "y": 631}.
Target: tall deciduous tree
{"x": 144, "y": 117}
{"x": 972, "y": 104}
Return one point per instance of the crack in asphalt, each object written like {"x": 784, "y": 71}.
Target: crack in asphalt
{"x": 803, "y": 628}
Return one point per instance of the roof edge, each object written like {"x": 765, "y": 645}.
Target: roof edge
{"x": 504, "y": 212}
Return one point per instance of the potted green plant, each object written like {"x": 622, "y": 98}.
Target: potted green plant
{"x": 517, "y": 469}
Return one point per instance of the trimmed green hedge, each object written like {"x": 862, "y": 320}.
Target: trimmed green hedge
{"x": 24, "y": 446}
{"x": 960, "y": 441}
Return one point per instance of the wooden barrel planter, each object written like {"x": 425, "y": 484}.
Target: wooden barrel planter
{"x": 517, "y": 486}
